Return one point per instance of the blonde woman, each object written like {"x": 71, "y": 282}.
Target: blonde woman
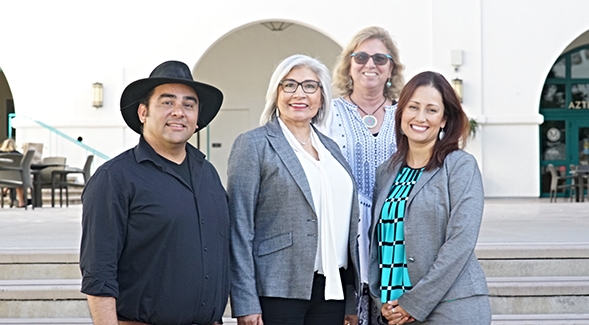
{"x": 368, "y": 77}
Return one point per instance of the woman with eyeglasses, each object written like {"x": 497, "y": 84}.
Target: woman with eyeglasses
{"x": 427, "y": 212}
{"x": 368, "y": 77}
{"x": 293, "y": 208}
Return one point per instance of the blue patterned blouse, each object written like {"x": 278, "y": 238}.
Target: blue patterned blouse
{"x": 391, "y": 240}
{"x": 364, "y": 152}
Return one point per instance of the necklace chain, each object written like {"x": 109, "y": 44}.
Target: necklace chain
{"x": 306, "y": 141}
{"x": 369, "y": 119}
{"x": 363, "y": 111}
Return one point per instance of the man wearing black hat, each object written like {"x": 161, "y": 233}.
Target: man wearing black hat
{"x": 155, "y": 240}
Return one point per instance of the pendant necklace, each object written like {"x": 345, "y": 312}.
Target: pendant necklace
{"x": 304, "y": 142}
{"x": 369, "y": 119}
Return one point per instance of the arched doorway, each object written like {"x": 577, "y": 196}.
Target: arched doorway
{"x": 6, "y": 105}
{"x": 241, "y": 64}
{"x": 564, "y": 135}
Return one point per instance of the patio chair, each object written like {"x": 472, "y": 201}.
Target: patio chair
{"x": 584, "y": 171}
{"x": 59, "y": 178}
{"x": 18, "y": 176}
{"x": 555, "y": 181}
{"x": 13, "y": 161}
{"x": 46, "y": 174}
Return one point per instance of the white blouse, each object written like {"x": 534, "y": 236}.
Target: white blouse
{"x": 332, "y": 190}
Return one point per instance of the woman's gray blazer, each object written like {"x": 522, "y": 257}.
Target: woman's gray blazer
{"x": 273, "y": 221}
{"x": 442, "y": 222}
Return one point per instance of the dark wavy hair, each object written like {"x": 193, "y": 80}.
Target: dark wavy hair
{"x": 457, "y": 126}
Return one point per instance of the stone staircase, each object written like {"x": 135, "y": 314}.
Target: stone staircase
{"x": 537, "y": 283}
{"x": 42, "y": 287}
{"x": 529, "y": 284}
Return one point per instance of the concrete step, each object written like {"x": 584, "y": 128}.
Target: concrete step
{"x": 539, "y": 286}
{"x": 539, "y": 305}
{"x": 66, "y": 321}
{"x": 44, "y": 309}
{"x": 46, "y": 298}
{"x": 46, "y": 321}
{"x": 552, "y": 319}
{"x": 539, "y": 295}
{"x": 514, "y": 251}
{"x": 35, "y": 271}
{"x": 535, "y": 267}
{"x": 42, "y": 263}
{"x": 38, "y": 255}
{"x": 56, "y": 289}
{"x": 533, "y": 259}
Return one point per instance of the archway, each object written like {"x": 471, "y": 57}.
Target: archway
{"x": 6, "y": 105}
{"x": 241, "y": 64}
{"x": 564, "y": 135}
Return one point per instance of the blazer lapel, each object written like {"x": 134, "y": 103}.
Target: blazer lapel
{"x": 423, "y": 179}
{"x": 385, "y": 188}
{"x": 334, "y": 150}
{"x": 289, "y": 159}
{"x": 390, "y": 176}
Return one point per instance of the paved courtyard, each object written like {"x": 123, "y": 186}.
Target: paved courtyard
{"x": 504, "y": 221}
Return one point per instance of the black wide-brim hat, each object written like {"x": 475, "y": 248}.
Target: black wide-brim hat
{"x": 170, "y": 72}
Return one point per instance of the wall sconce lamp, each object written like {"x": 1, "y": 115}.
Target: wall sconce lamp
{"x": 97, "y": 95}
{"x": 276, "y": 26}
{"x": 457, "y": 85}
{"x": 456, "y": 61}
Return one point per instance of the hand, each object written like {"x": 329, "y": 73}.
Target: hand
{"x": 253, "y": 319}
{"x": 395, "y": 314}
{"x": 351, "y": 320}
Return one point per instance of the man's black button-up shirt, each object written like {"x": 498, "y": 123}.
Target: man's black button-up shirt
{"x": 156, "y": 244}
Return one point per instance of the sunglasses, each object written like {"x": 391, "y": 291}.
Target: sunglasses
{"x": 378, "y": 58}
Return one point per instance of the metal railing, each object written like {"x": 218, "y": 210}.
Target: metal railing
{"x": 59, "y": 133}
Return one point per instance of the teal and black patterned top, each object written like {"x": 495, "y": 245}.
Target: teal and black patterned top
{"x": 391, "y": 240}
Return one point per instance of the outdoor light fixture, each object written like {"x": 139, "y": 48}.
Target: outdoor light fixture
{"x": 97, "y": 98}
{"x": 276, "y": 26}
{"x": 456, "y": 62}
{"x": 457, "y": 85}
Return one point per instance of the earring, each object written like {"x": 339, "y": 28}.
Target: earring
{"x": 351, "y": 82}
{"x": 442, "y": 134}
{"x": 389, "y": 84}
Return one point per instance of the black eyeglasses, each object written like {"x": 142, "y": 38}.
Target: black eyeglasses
{"x": 378, "y": 58}
{"x": 309, "y": 86}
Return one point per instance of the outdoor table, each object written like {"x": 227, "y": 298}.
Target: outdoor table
{"x": 36, "y": 171}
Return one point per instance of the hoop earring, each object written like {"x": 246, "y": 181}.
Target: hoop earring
{"x": 442, "y": 134}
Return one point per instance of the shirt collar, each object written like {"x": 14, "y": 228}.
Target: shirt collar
{"x": 144, "y": 151}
